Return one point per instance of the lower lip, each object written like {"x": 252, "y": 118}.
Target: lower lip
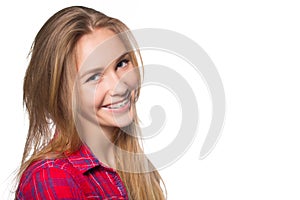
{"x": 118, "y": 110}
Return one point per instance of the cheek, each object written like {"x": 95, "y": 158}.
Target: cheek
{"x": 99, "y": 96}
{"x": 87, "y": 96}
{"x": 131, "y": 78}
{"x": 85, "y": 104}
{"x": 91, "y": 97}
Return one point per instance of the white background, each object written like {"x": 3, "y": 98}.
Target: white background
{"x": 255, "y": 46}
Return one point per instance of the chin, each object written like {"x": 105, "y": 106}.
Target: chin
{"x": 115, "y": 119}
{"x": 122, "y": 122}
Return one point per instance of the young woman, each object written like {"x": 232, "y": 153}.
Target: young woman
{"x": 80, "y": 90}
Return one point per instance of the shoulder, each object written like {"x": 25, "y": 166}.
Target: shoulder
{"x": 43, "y": 166}
{"x": 48, "y": 179}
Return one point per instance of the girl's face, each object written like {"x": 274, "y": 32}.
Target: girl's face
{"x": 106, "y": 79}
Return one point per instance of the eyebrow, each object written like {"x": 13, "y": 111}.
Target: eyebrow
{"x": 100, "y": 69}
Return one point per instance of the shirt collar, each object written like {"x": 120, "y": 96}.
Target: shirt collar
{"x": 84, "y": 160}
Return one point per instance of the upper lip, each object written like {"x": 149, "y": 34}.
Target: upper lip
{"x": 116, "y": 102}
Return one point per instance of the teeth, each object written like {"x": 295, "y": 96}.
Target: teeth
{"x": 119, "y": 105}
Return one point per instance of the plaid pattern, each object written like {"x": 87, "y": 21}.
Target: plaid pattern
{"x": 78, "y": 176}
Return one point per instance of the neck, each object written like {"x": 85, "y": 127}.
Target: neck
{"x": 98, "y": 139}
{"x": 102, "y": 147}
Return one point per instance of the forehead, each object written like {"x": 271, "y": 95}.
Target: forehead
{"x": 98, "y": 48}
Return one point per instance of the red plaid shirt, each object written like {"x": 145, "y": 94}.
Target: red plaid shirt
{"x": 78, "y": 176}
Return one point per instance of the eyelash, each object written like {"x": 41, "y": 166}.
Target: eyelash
{"x": 93, "y": 77}
{"x": 125, "y": 61}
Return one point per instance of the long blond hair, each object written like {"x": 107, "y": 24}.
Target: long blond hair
{"x": 48, "y": 85}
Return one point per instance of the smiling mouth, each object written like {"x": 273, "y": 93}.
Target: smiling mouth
{"x": 119, "y": 106}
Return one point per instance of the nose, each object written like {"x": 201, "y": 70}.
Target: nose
{"x": 116, "y": 86}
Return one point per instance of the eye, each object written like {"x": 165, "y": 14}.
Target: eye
{"x": 95, "y": 77}
{"x": 122, "y": 63}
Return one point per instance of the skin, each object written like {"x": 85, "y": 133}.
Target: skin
{"x": 105, "y": 76}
